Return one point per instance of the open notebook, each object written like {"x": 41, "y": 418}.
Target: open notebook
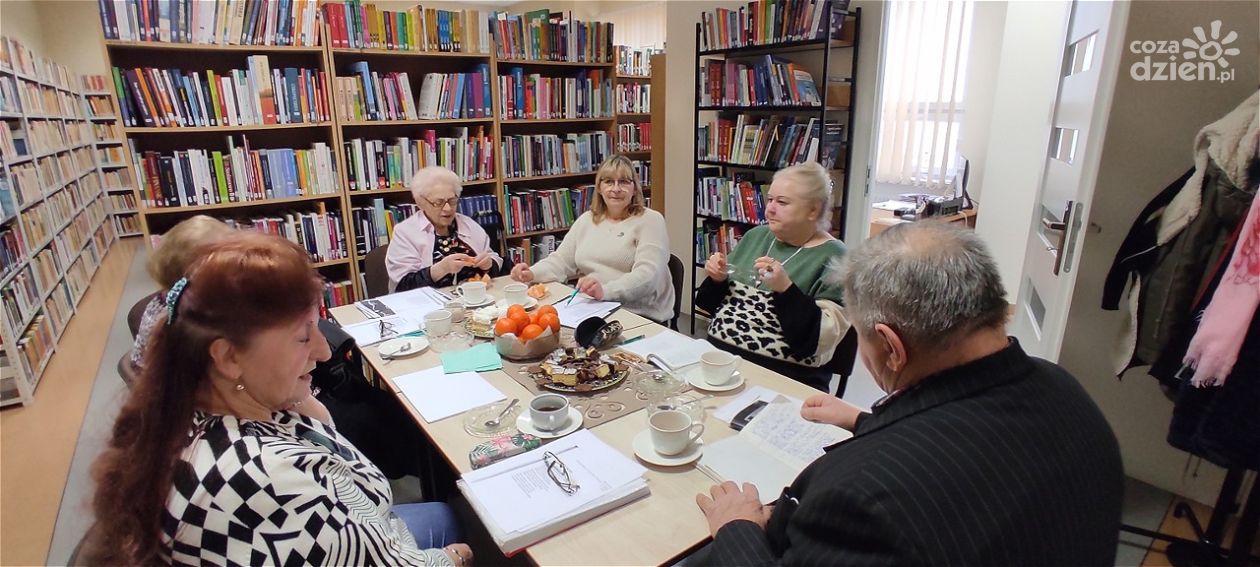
{"x": 520, "y": 504}
{"x": 771, "y": 450}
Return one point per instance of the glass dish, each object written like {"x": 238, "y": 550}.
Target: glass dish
{"x": 475, "y": 420}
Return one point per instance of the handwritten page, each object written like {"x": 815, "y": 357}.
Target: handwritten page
{"x": 438, "y": 395}
{"x": 748, "y": 397}
{"x": 374, "y": 331}
{"x": 780, "y": 430}
{"x": 582, "y": 308}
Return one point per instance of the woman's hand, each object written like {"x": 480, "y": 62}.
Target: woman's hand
{"x": 484, "y": 262}
{"x": 825, "y": 408}
{"x": 772, "y": 274}
{"x": 461, "y": 555}
{"x": 715, "y": 267}
{"x": 522, "y": 273}
{"x": 591, "y": 286}
{"x": 449, "y": 265}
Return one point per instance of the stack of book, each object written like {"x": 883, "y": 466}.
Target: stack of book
{"x": 203, "y": 177}
{"x": 532, "y": 250}
{"x": 321, "y": 234}
{"x": 25, "y": 183}
{"x": 545, "y": 36}
{"x": 336, "y": 294}
{"x": 374, "y": 225}
{"x": 712, "y": 238}
{"x": 770, "y": 141}
{"x": 377, "y": 164}
{"x": 228, "y": 22}
{"x": 634, "y": 137}
{"x": 257, "y": 95}
{"x": 546, "y": 209}
{"x": 549, "y": 154}
{"x": 767, "y": 22}
{"x": 356, "y": 25}
{"x": 635, "y": 62}
{"x": 737, "y": 198}
{"x": 770, "y": 81}
{"x": 368, "y": 95}
{"x": 634, "y": 98}
{"x": 587, "y": 94}
{"x": 456, "y": 95}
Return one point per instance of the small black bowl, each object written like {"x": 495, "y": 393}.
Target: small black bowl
{"x": 596, "y": 332}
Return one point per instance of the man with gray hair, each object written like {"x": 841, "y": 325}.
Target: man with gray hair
{"x": 978, "y": 455}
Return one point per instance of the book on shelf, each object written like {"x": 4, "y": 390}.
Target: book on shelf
{"x": 634, "y": 137}
{"x": 586, "y": 94}
{"x": 336, "y": 294}
{"x": 456, "y": 95}
{"x": 635, "y": 62}
{"x": 378, "y": 164}
{"x": 533, "y": 249}
{"x": 634, "y": 97}
{"x": 257, "y": 95}
{"x": 545, "y": 209}
{"x": 358, "y": 25}
{"x": 542, "y": 35}
{"x": 12, "y": 250}
{"x": 738, "y": 197}
{"x": 9, "y": 97}
{"x": 711, "y": 236}
{"x": 642, "y": 171}
{"x": 766, "y": 141}
{"x": 550, "y": 154}
{"x": 374, "y": 224}
{"x": 769, "y": 80}
{"x": 36, "y": 342}
{"x": 767, "y": 22}
{"x": 239, "y": 174}
{"x": 225, "y": 22}
{"x": 320, "y": 233}
{"x": 368, "y": 96}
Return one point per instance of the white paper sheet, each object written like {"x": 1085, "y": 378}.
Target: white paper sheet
{"x": 519, "y": 494}
{"x": 582, "y": 308}
{"x": 414, "y": 303}
{"x": 780, "y": 430}
{"x": 748, "y": 397}
{"x": 438, "y": 395}
{"x": 369, "y": 332}
{"x": 676, "y": 349}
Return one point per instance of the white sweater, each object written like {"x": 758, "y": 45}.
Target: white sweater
{"x": 630, "y": 258}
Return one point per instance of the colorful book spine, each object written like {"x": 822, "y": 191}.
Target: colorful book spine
{"x": 240, "y": 174}
{"x": 223, "y": 22}
{"x": 551, "y": 154}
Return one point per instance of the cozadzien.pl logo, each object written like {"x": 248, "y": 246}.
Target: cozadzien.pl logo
{"x": 1201, "y": 57}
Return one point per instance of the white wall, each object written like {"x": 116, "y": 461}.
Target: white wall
{"x": 1023, "y": 97}
{"x": 19, "y": 19}
{"x": 987, "y": 27}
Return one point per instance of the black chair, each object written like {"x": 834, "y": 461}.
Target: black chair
{"x": 843, "y": 359}
{"x": 137, "y": 312}
{"x": 375, "y": 276}
{"x": 676, "y": 275}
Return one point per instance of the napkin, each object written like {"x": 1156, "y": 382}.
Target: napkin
{"x": 480, "y": 358}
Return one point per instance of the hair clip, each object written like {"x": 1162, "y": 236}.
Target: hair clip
{"x": 172, "y": 299}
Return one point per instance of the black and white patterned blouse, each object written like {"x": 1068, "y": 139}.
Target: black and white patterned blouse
{"x": 290, "y": 491}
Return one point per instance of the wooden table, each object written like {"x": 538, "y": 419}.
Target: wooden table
{"x": 649, "y": 531}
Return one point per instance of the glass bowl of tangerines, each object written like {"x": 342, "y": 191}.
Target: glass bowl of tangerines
{"x": 522, "y": 335}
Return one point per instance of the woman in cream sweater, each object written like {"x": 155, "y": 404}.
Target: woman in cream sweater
{"x": 618, "y": 250}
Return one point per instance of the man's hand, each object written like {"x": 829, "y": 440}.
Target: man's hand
{"x": 591, "y": 287}
{"x": 522, "y": 273}
{"x": 825, "y": 408}
{"x": 728, "y": 503}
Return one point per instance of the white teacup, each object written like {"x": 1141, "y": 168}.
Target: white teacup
{"x": 673, "y": 431}
{"x": 549, "y": 412}
{"x": 516, "y": 294}
{"x": 718, "y": 367}
{"x": 458, "y": 312}
{"x": 473, "y": 293}
{"x": 437, "y": 323}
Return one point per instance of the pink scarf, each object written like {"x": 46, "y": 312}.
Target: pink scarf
{"x": 1216, "y": 344}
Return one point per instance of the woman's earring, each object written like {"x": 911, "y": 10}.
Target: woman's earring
{"x": 240, "y": 387}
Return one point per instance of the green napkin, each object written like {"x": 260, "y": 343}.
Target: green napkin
{"x": 480, "y": 358}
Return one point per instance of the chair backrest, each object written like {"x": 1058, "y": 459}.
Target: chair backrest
{"x": 137, "y": 312}
{"x": 126, "y": 370}
{"x": 843, "y": 359}
{"x": 676, "y": 275}
{"x": 375, "y": 276}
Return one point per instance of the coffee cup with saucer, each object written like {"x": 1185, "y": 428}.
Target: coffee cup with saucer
{"x": 672, "y": 439}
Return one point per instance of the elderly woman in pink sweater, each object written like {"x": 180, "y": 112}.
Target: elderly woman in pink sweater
{"x": 618, "y": 250}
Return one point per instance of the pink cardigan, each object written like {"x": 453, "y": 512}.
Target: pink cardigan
{"x": 411, "y": 248}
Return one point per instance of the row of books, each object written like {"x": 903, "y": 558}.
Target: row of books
{"x": 240, "y": 174}
{"x": 713, "y": 237}
{"x": 20, "y": 298}
{"x": 587, "y": 94}
{"x": 533, "y": 249}
{"x": 107, "y": 131}
{"x": 46, "y": 136}
{"x": 634, "y": 137}
{"x": 358, "y": 25}
{"x": 24, "y": 184}
{"x": 549, "y": 154}
{"x": 737, "y": 198}
{"x": 58, "y": 307}
{"x": 636, "y": 62}
{"x": 111, "y": 155}
{"x": 12, "y": 143}
{"x": 10, "y": 101}
{"x": 773, "y": 141}
{"x": 99, "y": 106}
{"x": 642, "y": 171}
{"x": 634, "y": 97}
{"x": 545, "y": 209}
{"x": 368, "y": 95}
{"x": 224, "y": 22}
{"x": 336, "y": 294}
{"x": 374, "y": 224}
{"x": 127, "y": 224}
{"x": 256, "y": 95}
{"x": 96, "y": 84}
{"x": 16, "y": 56}
{"x": 772, "y": 80}
{"x": 766, "y": 22}
{"x": 34, "y": 346}
{"x": 547, "y": 36}
{"x": 12, "y": 250}
{"x": 122, "y": 201}
{"x": 321, "y": 234}
{"x": 377, "y": 164}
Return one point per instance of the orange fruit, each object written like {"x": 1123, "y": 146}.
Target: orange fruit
{"x": 545, "y": 309}
{"x": 504, "y": 326}
{"x": 514, "y": 309}
{"x": 550, "y": 320}
{"x": 530, "y": 332}
{"x": 533, "y": 317}
{"x": 521, "y": 319}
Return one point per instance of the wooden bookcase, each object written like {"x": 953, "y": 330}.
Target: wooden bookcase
{"x": 54, "y": 217}
{"x": 629, "y": 76}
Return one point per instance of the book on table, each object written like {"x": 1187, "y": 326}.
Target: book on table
{"x": 771, "y": 450}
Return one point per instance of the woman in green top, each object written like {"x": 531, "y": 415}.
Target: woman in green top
{"x": 776, "y": 301}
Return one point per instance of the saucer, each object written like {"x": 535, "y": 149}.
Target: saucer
{"x": 452, "y": 341}
{"x": 487, "y": 300}
{"x": 529, "y": 304}
{"x": 525, "y": 423}
{"x": 695, "y": 377}
{"x": 393, "y": 348}
{"x": 643, "y": 449}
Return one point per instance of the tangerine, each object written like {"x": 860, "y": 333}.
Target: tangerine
{"x": 550, "y": 320}
{"x": 530, "y": 332}
{"x": 545, "y": 309}
{"x": 504, "y": 326}
{"x": 533, "y": 317}
{"x": 521, "y": 319}
{"x": 514, "y": 309}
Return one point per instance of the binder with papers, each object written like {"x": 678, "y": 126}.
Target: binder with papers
{"x": 527, "y": 498}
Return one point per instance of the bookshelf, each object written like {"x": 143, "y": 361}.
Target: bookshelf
{"x": 772, "y": 89}
{"x": 636, "y": 132}
{"x": 110, "y": 147}
{"x": 53, "y": 233}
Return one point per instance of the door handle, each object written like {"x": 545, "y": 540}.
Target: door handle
{"x": 1063, "y": 234}
{"x": 1051, "y": 225}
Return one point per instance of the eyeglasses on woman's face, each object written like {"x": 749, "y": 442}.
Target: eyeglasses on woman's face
{"x": 623, "y": 183}
{"x": 440, "y": 204}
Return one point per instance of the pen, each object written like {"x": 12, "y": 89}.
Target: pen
{"x": 571, "y": 296}
{"x": 631, "y": 339}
